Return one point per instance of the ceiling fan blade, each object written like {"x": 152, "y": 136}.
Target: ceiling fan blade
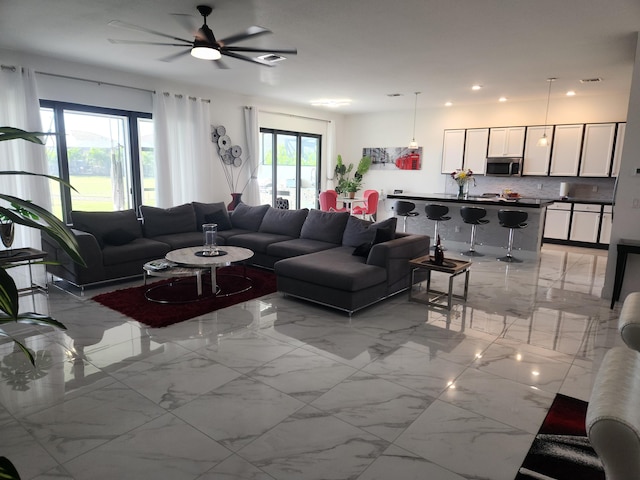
{"x": 245, "y": 58}
{"x": 220, "y": 64}
{"x": 130, "y": 26}
{"x": 175, "y": 56}
{"x": 140, "y": 42}
{"x": 250, "y": 32}
{"x": 291, "y": 51}
{"x": 188, "y": 22}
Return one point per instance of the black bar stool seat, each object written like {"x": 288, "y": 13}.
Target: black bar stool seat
{"x": 474, "y": 216}
{"x": 437, "y": 213}
{"x": 513, "y": 220}
{"x": 405, "y": 209}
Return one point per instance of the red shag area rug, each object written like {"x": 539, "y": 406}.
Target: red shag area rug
{"x": 561, "y": 449}
{"x": 177, "y": 299}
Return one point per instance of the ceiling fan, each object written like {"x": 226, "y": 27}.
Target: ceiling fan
{"x": 205, "y": 45}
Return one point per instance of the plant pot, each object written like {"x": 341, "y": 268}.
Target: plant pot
{"x": 7, "y": 231}
{"x": 352, "y": 194}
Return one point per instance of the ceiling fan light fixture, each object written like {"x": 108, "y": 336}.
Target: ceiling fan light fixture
{"x": 205, "y": 53}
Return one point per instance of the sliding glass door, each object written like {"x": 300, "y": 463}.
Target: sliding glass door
{"x": 289, "y": 167}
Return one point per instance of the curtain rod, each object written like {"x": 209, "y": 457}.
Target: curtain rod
{"x": 13, "y": 68}
{"x": 296, "y": 116}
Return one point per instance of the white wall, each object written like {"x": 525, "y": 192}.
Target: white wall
{"x": 394, "y": 129}
{"x": 226, "y": 108}
{"x": 626, "y": 220}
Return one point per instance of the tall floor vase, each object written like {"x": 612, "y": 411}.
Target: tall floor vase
{"x": 236, "y": 198}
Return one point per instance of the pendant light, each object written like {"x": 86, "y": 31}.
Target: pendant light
{"x": 544, "y": 141}
{"x": 414, "y": 145}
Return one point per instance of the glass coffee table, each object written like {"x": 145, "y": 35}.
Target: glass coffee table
{"x": 190, "y": 262}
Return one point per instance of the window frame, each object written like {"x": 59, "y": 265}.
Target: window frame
{"x": 132, "y": 117}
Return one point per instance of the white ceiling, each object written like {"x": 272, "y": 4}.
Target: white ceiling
{"x": 357, "y": 49}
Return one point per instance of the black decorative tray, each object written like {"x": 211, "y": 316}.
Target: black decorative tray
{"x": 445, "y": 263}
{"x": 202, "y": 253}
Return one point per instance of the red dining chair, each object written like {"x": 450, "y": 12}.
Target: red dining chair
{"x": 370, "y": 205}
{"x": 329, "y": 202}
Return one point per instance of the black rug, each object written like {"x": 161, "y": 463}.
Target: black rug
{"x": 561, "y": 449}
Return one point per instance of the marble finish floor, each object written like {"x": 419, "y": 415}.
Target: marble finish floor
{"x": 280, "y": 389}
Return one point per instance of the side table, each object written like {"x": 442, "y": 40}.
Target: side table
{"x": 624, "y": 248}
{"x": 16, "y": 257}
{"x": 451, "y": 267}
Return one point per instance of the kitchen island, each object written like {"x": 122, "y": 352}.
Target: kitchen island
{"x": 491, "y": 239}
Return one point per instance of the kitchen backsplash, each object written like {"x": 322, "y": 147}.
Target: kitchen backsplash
{"x": 600, "y": 189}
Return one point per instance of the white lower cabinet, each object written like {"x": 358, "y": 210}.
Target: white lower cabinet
{"x": 585, "y": 223}
{"x": 557, "y": 222}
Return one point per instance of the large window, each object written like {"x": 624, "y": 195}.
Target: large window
{"x": 289, "y": 167}
{"x": 105, "y": 154}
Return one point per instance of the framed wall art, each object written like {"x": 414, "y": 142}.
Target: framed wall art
{"x": 394, "y": 158}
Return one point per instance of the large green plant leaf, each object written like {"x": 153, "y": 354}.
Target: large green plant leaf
{"x": 7, "y": 470}
{"x": 11, "y": 133}
{"x": 8, "y": 295}
{"x": 48, "y": 223}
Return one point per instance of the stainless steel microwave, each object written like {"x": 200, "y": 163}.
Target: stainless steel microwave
{"x": 504, "y": 166}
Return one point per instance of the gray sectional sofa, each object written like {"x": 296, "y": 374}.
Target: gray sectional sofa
{"x": 331, "y": 258}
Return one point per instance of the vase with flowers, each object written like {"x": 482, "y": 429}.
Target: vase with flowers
{"x": 463, "y": 178}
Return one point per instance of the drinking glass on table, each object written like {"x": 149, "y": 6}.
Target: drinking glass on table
{"x": 210, "y": 232}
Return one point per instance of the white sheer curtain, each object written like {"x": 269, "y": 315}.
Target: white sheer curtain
{"x": 331, "y": 154}
{"x": 183, "y": 150}
{"x": 251, "y": 195}
{"x": 20, "y": 108}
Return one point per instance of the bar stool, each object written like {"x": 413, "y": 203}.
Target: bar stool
{"x": 436, "y": 213}
{"x": 473, "y": 216}
{"x": 511, "y": 219}
{"x": 406, "y": 210}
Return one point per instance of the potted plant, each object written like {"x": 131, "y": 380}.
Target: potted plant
{"x": 24, "y": 212}
{"x": 347, "y": 184}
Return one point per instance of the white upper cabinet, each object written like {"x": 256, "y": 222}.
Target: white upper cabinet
{"x": 475, "y": 151}
{"x": 506, "y": 142}
{"x": 453, "y": 150}
{"x": 617, "y": 154}
{"x": 536, "y": 159}
{"x": 565, "y": 152}
{"x": 597, "y": 149}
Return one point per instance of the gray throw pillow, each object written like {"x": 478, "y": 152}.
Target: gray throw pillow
{"x": 284, "y": 222}
{"x": 166, "y": 221}
{"x": 325, "y": 226}
{"x": 385, "y": 231}
{"x": 206, "y": 209}
{"x": 358, "y": 231}
{"x": 100, "y": 224}
{"x": 246, "y": 217}
{"x": 221, "y": 219}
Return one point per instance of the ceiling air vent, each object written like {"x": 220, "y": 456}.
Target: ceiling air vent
{"x": 591, "y": 80}
{"x": 271, "y": 58}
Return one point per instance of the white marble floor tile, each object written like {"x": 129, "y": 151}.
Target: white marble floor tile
{"x": 88, "y": 420}
{"x": 165, "y": 447}
{"x": 313, "y": 445}
{"x": 235, "y": 468}
{"x": 466, "y": 443}
{"x": 180, "y": 380}
{"x": 412, "y": 369}
{"x": 302, "y": 374}
{"x": 398, "y": 463}
{"x": 380, "y": 407}
{"x": 238, "y": 412}
{"x": 22, "y": 449}
{"x": 512, "y": 403}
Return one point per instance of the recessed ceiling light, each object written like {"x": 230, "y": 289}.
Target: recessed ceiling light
{"x": 502, "y": 99}
{"x": 331, "y": 102}
{"x": 448, "y": 104}
{"x": 476, "y": 87}
{"x": 571, "y": 93}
